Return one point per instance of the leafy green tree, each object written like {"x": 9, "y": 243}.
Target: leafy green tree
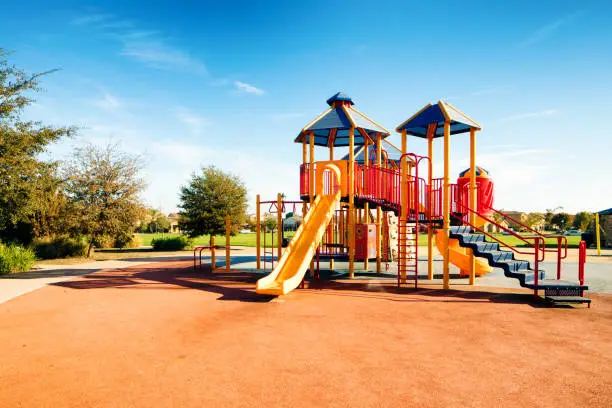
{"x": 103, "y": 185}
{"x": 561, "y": 220}
{"x": 159, "y": 222}
{"x": 269, "y": 223}
{"x": 582, "y": 220}
{"x": 25, "y": 178}
{"x": 208, "y": 198}
{"x": 534, "y": 220}
{"x": 548, "y": 215}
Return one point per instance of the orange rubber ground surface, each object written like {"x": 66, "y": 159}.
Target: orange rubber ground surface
{"x": 159, "y": 335}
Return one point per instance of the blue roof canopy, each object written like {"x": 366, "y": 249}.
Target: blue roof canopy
{"x": 437, "y": 114}
{"x": 333, "y": 126}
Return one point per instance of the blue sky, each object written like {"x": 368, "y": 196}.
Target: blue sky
{"x": 187, "y": 84}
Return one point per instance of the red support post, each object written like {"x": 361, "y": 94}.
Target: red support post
{"x": 581, "y": 261}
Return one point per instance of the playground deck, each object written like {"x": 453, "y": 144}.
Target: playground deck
{"x": 162, "y": 335}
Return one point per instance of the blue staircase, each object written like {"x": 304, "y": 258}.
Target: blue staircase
{"x": 555, "y": 291}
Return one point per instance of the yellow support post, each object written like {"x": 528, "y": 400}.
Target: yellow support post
{"x": 597, "y": 234}
{"x": 227, "y": 242}
{"x": 258, "y": 231}
{"x": 279, "y": 225}
{"x": 213, "y": 259}
{"x": 472, "y": 199}
{"x": 446, "y": 205}
{"x": 351, "y": 209}
{"x": 331, "y": 152}
{"x": 430, "y": 238}
{"x": 404, "y": 209}
{"x": 311, "y": 178}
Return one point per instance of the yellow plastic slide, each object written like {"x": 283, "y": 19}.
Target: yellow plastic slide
{"x": 294, "y": 262}
{"x": 460, "y": 257}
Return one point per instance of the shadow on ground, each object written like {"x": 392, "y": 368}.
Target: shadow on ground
{"x": 240, "y": 286}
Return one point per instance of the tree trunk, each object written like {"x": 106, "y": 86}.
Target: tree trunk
{"x": 90, "y": 248}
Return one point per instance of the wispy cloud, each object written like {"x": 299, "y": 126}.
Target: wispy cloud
{"x": 91, "y": 19}
{"x": 145, "y": 46}
{"x": 107, "y": 101}
{"x": 244, "y": 87}
{"x": 547, "y": 30}
{"x": 547, "y": 112}
{"x": 155, "y": 53}
{"x": 194, "y": 122}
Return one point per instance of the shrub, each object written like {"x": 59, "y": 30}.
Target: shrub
{"x": 15, "y": 258}
{"x": 60, "y": 247}
{"x": 133, "y": 241}
{"x": 104, "y": 241}
{"x": 175, "y": 243}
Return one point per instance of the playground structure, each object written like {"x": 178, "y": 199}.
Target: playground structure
{"x": 341, "y": 195}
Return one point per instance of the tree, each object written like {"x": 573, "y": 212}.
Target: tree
{"x": 550, "y": 212}
{"x": 269, "y": 223}
{"x": 102, "y": 185}
{"x": 534, "y": 220}
{"x": 208, "y": 198}
{"x": 24, "y": 177}
{"x": 159, "y": 222}
{"x": 561, "y": 220}
{"x": 582, "y": 220}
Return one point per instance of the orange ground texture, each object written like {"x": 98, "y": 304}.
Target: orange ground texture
{"x": 162, "y": 335}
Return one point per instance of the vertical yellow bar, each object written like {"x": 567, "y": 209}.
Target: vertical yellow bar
{"x": 430, "y": 140}
{"x": 378, "y": 239}
{"x": 312, "y": 186}
{"x": 258, "y": 231}
{"x": 472, "y": 199}
{"x": 213, "y": 260}
{"x": 597, "y": 235}
{"x": 227, "y": 242}
{"x": 402, "y": 230}
{"x": 446, "y": 204}
{"x": 351, "y": 209}
{"x": 279, "y": 225}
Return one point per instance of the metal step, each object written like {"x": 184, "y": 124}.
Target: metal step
{"x": 568, "y": 299}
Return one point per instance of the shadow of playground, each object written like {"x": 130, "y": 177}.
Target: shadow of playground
{"x": 240, "y": 286}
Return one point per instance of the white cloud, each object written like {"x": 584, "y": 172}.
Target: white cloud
{"x": 547, "y": 112}
{"x": 91, "y": 19}
{"x": 547, "y": 30}
{"x": 155, "y": 53}
{"x": 108, "y": 102}
{"x": 244, "y": 87}
{"x": 193, "y": 121}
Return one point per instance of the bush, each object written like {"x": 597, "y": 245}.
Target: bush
{"x": 104, "y": 241}
{"x": 176, "y": 243}
{"x": 133, "y": 241}
{"x": 60, "y": 247}
{"x": 15, "y": 258}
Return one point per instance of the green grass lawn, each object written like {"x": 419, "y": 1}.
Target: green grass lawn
{"x": 248, "y": 240}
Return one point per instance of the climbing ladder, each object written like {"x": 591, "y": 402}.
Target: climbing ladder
{"x": 407, "y": 251}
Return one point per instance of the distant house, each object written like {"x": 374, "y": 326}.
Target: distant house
{"x": 174, "y": 219}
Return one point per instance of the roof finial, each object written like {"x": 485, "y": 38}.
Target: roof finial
{"x": 340, "y": 98}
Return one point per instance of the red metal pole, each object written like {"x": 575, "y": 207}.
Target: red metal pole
{"x": 536, "y": 265}
{"x": 581, "y": 261}
{"x": 558, "y": 257}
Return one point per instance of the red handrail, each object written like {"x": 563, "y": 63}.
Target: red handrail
{"x": 581, "y": 262}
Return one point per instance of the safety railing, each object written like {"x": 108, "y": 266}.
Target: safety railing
{"x": 560, "y": 249}
{"x": 581, "y": 262}
{"x": 538, "y": 243}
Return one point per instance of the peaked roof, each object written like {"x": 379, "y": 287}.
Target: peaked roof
{"x": 479, "y": 172}
{"x": 437, "y": 114}
{"x": 392, "y": 154}
{"x": 332, "y": 127}
{"x": 606, "y": 212}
